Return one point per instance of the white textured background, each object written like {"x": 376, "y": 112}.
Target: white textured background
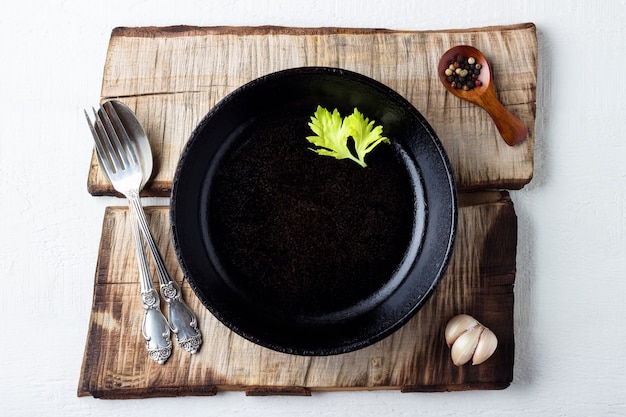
{"x": 570, "y": 288}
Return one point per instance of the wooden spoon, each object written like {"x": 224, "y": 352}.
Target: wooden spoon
{"x": 512, "y": 129}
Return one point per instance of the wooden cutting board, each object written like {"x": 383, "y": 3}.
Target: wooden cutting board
{"x": 479, "y": 281}
{"x": 172, "y": 76}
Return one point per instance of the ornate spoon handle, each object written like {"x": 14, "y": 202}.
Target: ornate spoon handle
{"x": 182, "y": 320}
{"x": 155, "y": 328}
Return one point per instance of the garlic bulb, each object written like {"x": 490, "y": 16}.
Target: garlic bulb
{"x": 468, "y": 339}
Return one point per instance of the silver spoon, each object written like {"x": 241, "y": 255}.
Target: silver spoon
{"x": 182, "y": 320}
{"x": 124, "y": 176}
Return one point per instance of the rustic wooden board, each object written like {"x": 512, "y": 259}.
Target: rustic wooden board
{"x": 479, "y": 281}
{"x": 173, "y": 76}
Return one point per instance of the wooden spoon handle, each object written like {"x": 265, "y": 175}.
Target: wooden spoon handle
{"x": 511, "y": 128}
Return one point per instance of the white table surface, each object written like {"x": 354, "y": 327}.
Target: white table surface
{"x": 570, "y": 292}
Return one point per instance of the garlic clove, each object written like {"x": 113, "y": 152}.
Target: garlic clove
{"x": 465, "y": 345}
{"x": 457, "y": 326}
{"x": 487, "y": 344}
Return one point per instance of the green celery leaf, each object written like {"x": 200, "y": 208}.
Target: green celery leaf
{"x": 366, "y": 136}
{"x": 332, "y": 133}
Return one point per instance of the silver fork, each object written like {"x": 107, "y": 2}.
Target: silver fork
{"x": 119, "y": 159}
{"x": 155, "y": 328}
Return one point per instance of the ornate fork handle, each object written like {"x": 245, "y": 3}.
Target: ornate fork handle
{"x": 182, "y": 320}
{"x": 155, "y": 328}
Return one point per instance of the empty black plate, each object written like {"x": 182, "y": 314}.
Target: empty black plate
{"x": 302, "y": 253}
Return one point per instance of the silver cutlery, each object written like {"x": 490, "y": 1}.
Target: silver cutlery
{"x": 119, "y": 139}
{"x": 155, "y": 328}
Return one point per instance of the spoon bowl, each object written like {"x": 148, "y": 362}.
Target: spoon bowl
{"x": 138, "y": 138}
{"x": 511, "y": 128}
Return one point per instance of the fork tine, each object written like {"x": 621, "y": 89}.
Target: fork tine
{"x": 103, "y": 155}
{"x": 108, "y": 147}
{"x": 123, "y": 135}
{"x": 116, "y": 146}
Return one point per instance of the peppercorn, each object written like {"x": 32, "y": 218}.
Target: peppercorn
{"x": 462, "y": 73}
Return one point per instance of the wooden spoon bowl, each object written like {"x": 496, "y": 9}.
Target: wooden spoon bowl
{"x": 511, "y": 128}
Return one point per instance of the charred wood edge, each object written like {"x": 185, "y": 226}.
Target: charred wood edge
{"x": 304, "y": 391}
{"x": 105, "y": 188}
{"x": 263, "y": 391}
{"x": 152, "y": 189}
{"x": 266, "y": 391}
{"x": 482, "y": 197}
{"x": 183, "y": 30}
{"x": 495, "y": 385}
{"x": 122, "y": 394}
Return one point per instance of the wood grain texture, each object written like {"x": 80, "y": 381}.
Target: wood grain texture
{"x": 172, "y": 76}
{"x": 479, "y": 281}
